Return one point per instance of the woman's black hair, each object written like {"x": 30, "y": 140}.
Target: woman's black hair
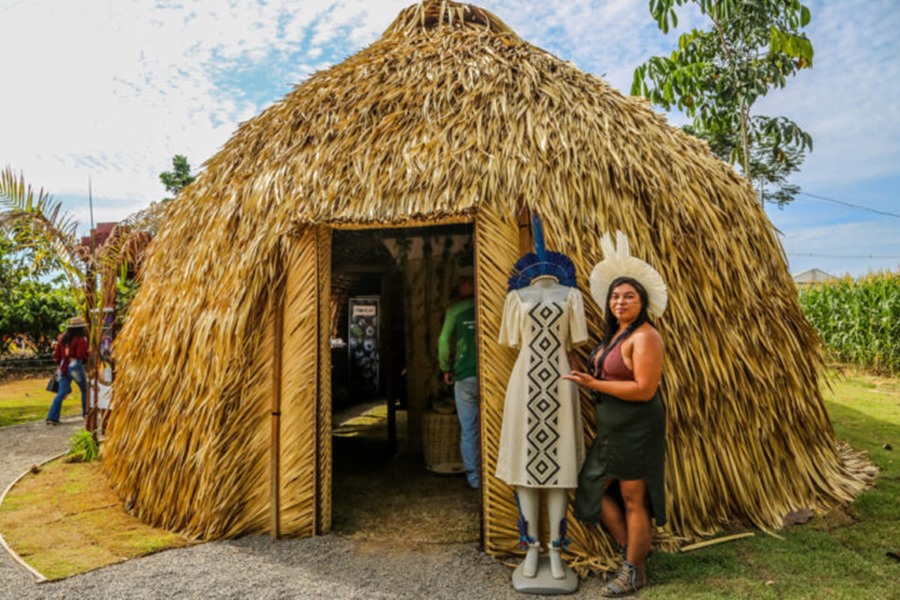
{"x": 611, "y": 323}
{"x": 71, "y": 333}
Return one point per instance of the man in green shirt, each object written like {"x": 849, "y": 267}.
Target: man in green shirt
{"x": 459, "y": 326}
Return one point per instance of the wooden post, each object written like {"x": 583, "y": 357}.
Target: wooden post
{"x": 523, "y": 218}
{"x": 389, "y": 351}
{"x": 324, "y": 457}
{"x": 275, "y": 445}
{"x": 90, "y": 371}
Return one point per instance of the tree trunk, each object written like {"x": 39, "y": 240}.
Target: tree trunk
{"x": 745, "y": 144}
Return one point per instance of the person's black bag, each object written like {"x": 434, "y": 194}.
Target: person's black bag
{"x": 53, "y": 384}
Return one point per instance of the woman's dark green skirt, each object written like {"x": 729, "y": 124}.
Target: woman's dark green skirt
{"x": 630, "y": 444}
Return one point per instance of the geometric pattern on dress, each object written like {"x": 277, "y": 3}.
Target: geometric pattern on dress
{"x": 542, "y": 464}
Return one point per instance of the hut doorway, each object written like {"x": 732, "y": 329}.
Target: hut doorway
{"x": 389, "y": 291}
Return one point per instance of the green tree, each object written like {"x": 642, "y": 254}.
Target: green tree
{"x": 40, "y": 233}
{"x": 715, "y": 76}
{"x": 48, "y": 235}
{"x": 179, "y": 177}
{"x": 9, "y": 267}
{"x": 36, "y": 309}
{"x": 30, "y": 304}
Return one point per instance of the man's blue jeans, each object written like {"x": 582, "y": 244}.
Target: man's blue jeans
{"x": 75, "y": 372}
{"x": 465, "y": 391}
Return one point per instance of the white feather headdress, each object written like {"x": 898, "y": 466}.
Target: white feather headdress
{"x": 618, "y": 262}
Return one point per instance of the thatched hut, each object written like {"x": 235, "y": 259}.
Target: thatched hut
{"x": 452, "y": 125}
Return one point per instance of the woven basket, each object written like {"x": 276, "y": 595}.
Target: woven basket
{"x": 440, "y": 439}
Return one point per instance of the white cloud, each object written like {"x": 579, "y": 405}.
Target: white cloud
{"x": 837, "y": 248}
{"x": 848, "y": 101}
{"x": 113, "y": 89}
{"x": 105, "y": 92}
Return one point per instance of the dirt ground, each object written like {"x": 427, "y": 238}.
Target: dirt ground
{"x": 391, "y": 498}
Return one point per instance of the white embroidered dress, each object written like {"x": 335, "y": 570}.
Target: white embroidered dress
{"x": 541, "y": 440}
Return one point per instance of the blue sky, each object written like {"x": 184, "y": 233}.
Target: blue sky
{"x": 111, "y": 90}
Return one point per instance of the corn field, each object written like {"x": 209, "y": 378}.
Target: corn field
{"x": 859, "y": 321}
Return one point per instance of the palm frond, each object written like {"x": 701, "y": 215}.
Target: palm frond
{"x": 38, "y": 222}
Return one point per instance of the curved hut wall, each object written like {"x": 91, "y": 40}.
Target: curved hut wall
{"x": 450, "y": 116}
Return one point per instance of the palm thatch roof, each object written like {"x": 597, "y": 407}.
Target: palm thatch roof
{"x": 451, "y": 116}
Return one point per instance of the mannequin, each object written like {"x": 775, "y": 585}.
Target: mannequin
{"x": 541, "y": 442}
{"x": 529, "y": 500}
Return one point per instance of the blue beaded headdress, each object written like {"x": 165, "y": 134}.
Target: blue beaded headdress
{"x": 541, "y": 262}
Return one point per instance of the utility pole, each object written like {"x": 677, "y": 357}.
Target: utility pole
{"x": 93, "y": 323}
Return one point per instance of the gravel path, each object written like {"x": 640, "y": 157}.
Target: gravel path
{"x": 330, "y": 566}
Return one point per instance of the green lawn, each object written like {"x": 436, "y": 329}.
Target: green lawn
{"x": 65, "y": 520}
{"x": 841, "y": 556}
{"x": 26, "y": 400}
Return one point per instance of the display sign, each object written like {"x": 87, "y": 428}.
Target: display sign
{"x": 362, "y": 343}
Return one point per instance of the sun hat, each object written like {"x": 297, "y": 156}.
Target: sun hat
{"x": 618, "y": 262}
{"x": 77, "y": 322}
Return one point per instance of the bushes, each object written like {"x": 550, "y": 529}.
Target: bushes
{"x": 82, "y": 447}
{"x": 859, "y": 321}
{"x": 37, "y": 310}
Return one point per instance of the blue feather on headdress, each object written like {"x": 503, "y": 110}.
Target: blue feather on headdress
{"x": 537, "y": 229}
{"x": 541, "y": 262}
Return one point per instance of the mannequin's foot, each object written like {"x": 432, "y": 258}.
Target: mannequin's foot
{"x": 530, "y": 564}
{"x": 557, "y": 566}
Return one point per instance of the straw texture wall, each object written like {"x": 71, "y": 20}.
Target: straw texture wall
{"x": 451, "y": 115}
{"x": 497, "y": 248}
{"x": 300, "y": 387}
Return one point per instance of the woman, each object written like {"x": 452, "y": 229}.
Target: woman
{"x": 622, "y": 480}
{"x": 71, "y": 354}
